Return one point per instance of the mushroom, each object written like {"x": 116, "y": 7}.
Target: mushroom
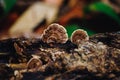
{"x": 79, "y": 36}
{"x": 34, "y": 63}
{"x": 55, "y": 33}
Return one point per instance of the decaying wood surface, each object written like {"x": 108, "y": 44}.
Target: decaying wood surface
{"x": 55, "y": 57}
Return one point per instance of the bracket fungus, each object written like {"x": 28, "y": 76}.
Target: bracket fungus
{"x": 34, "y": 63}
{"x": 55, "y": 33}
{"x": 79, "y": 36}
{"x": 94, "y": 58}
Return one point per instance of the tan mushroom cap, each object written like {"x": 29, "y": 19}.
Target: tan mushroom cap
{"x": 34, "y": 62}
{"x": 55, "y": 33}
{"x": 79, "y": 36}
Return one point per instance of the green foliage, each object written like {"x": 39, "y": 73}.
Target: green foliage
{"x": 8, "y": 4}
{"x": 104, "y": 8}
{"x": 71, "y": 28}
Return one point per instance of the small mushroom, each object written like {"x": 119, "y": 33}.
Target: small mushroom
{"x": 79, "y": 36}
{"x": 55, "y": 33}
{"x": 34, "y": 63}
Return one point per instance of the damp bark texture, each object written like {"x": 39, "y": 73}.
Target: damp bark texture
{"x": 96, "y": 58}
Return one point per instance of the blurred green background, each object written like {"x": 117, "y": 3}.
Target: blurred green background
{"x": 98, "y": 16}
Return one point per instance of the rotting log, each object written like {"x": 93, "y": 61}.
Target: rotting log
{"x": 97, "y": 57}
